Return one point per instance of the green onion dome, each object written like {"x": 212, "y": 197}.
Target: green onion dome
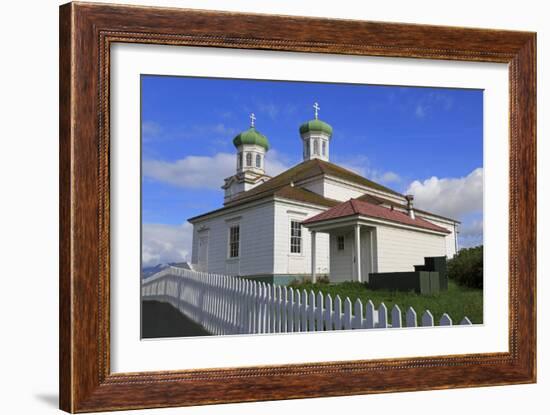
{"x": 251, "y": 136}
{"x": 316, "y": 126}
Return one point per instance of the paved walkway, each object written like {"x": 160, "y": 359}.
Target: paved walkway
{"x": 162, "y": 320}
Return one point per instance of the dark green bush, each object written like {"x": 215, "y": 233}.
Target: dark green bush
{"x": 466, "y": 268}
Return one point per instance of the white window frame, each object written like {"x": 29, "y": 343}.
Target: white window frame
{"x": 338, "y": 239}
{"x": 231, "y": 226}
{"x": 301, "y": 237}
{"x": 258, "y": 161}
{"x": 248, "y": 159}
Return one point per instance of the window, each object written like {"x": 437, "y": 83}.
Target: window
{"x": 234, "y": 237}
{"x": 240, "y": 160}
{"x": 258, "y": 161}
{"x": 307, "y": 150}
{"x": 295, "y": 237}
{"x": 340, "y": 243}
{"x": 249, "y": 159}
{"x": 324, "y": 147}
{"x": 316, "y": 147}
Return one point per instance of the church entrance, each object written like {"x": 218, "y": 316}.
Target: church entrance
{"x": 365, "y": 254}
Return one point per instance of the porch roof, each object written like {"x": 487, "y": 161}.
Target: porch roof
{"x": 355, "y": 207}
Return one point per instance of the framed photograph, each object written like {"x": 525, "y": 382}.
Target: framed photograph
{"x": 258, "y": 207}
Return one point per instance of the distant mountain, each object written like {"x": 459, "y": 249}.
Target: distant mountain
{"x": 148, "y": 271}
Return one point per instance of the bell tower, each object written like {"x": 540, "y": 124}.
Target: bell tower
{"x": 316, "y": 136}
{"x": 252, "y": 147}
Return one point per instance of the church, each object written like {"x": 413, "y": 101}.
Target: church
{"x": 316, "y": 219}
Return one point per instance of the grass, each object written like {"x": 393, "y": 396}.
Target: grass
{"x": 458, "y": 301}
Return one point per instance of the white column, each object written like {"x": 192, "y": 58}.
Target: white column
{"x": 371, "y": 253}
{"x": 313, "y": 257}
{"x": 358, "y": 251}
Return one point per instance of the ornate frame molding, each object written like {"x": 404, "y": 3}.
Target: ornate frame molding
{"x": 86, "y": 33}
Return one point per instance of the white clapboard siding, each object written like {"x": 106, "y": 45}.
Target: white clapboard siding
{"x": 230, "y": 305}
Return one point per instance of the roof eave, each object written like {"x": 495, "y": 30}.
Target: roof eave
{"x": 359, "y": 217}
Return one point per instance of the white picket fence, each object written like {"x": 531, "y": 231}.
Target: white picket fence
{"x": 230, "y": 305}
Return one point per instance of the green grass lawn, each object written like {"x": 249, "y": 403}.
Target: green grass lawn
{"x": 458, "y": 301}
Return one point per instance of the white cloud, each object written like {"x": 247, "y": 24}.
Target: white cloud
{"x": 166, "y": 243}
{"x": 269, "y": 108}
{"x": 150, "y": 130}
{"x": 192, "y": 171}
{"x": 218, "y": 129}
{"x": 361, "y": 165}
{"x": 276, "y": 163}
{"x": 452, "y": 197}
{"x": 435, "y": 99}
{"x": 473, "y": 229}
{"x": 471, "y": 234}
{"x": 420, "y": 111}
{"x": 389, "y": 177}
{"x": 205, "y": 172}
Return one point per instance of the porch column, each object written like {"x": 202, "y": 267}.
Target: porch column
{"x": 358, "y": 251}
{"x": 313, "y": 257}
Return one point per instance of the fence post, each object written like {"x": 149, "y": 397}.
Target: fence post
{"x": 337, "y": 318}
{"x": 277, "y": 309}
{"x": 465, "y": 322}
{"x": 445, "y": 320}
{"x": 328, "y": 312}
{"x": 357, "y": 314}
{"x": 411, "y": 317}
{"x": 282, "y": 308}
{"x": 319, "y": 315}
{"x": 382, "y": 316}
{"x": 296, "y": 311}
{"x": 289, "y": 310}
{"x": 347, "y": 314}
{"x": 273, "y": 309}
{"x": 268, "y": 308}
{"x": 427, "y": 319}
{"x": 369, "y": 315}
{"x": 311, "y": 312}
{"x": 303, "y": 311}
{"x": 396, "y": 319}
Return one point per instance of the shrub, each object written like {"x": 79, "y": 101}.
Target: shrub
{"x": 466, "y": 268}
{"x": 323, "y": 280}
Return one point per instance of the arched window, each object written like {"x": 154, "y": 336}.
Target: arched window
{"x": 324, "y": 147}
{"x": 258, "y": 161}
{"x": 249, "y": 159}
{"x": 240, "y": 160}
{"x": 307, "y": 150}
{"x": 316, "y": 147}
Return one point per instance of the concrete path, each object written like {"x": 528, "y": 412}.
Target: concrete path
{"x": 162, "y": 320}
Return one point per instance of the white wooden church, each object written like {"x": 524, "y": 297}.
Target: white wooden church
{"x": 315, "y": 219}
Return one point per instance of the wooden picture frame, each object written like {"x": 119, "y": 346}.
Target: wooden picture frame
{"x": 86, "y": 33}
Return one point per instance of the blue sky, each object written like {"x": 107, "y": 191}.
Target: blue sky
{"x": 428, "y": 141}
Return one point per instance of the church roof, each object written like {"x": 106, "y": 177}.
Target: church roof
{"x": 282, "y": 186}
{"x": 303, "y": 195}
{"x": 376, "y": 200}
{"x": 306, "y": 170}
{"x": 355, "y": 207}
{"x": 286, "y": 192}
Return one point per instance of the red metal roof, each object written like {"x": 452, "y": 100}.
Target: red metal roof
{"x": 358, "y": 207}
